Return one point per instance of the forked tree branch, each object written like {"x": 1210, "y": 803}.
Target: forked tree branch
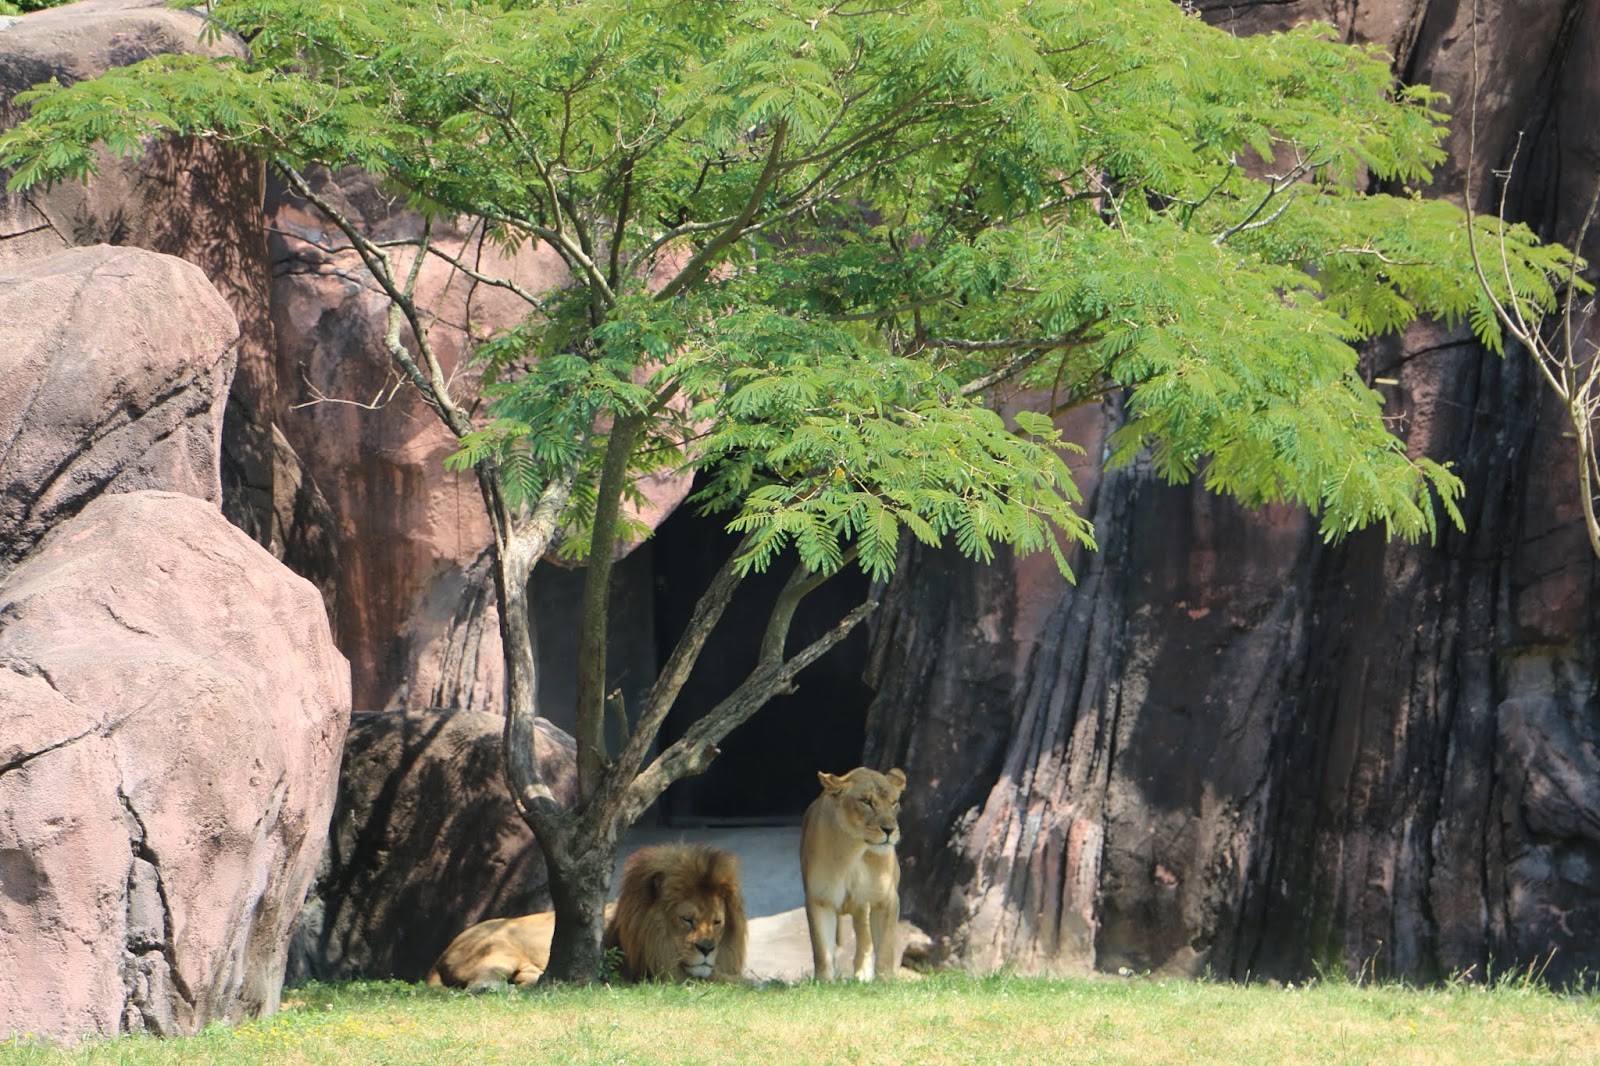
{"x": 694, "y": 751}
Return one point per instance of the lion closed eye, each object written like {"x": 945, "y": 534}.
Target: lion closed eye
{"x": 679, "y": 915}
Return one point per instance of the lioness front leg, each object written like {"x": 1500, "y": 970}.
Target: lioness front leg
{"x": 865, "y": 938}
{"x": 885, "y": 924}
{"x": 822, "y": 922}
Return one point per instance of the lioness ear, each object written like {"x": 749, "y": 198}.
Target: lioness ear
{"x": 830, "y": 783}
{"x": 898, "y": 776}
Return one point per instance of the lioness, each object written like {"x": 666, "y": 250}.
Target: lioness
{"x": 849, "y": 866}
{"x": 516, "y": 950}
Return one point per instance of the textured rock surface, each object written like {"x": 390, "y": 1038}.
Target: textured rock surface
{"x": 114, "y": 366}
{"x": 184, "y": 198}
{"x": 1232, "y": 746}
{"x": 425, "y": 842}
{"x": 411, "y": 532}
{"x": 174, "y": 711}
{"x": 405, "y": 523}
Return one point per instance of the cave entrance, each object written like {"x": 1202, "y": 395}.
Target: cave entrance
{"x": 767, "y": 772}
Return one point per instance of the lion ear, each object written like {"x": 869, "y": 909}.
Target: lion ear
{"x": 657, "y": 884}
{"x": 830, "y": 783}
{"x": 898, "y": 776}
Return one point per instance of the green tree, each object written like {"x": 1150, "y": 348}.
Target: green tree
{"x": 867, "y": 214}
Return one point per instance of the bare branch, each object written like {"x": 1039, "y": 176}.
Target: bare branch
{"x": 675, "y": 671}
{"x": 456, "y": 262}
{"x": 380, "y": 399}
{"x": 1572, "y": 373}
{"x": 1015, "y": 366}
{"x": 802, "y": 582}
{"x": 695, "y": 750}
{"x": 1004, "y": 344}
{"x": 401, "y": 308}
{"x": 1275, "y": 186}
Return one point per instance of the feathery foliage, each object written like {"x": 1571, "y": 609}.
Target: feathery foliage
{"x": 861, "y": 207}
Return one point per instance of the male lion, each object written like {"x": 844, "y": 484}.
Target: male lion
{"x": 848, "y": 865}
{"x": 679, "y": 915}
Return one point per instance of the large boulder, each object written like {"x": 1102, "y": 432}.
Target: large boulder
{"x": 188, "y": 198}
{"x": 115, "y": 363}
{"x": 174, "y": 711}
{"x": 425, "y": 842}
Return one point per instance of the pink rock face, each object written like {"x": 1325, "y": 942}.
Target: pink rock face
{"x": 174, "y": 715}
{"x": 188, "y": 198}
{"x": 409, "y": 530}
{"x": 114, "y": 367}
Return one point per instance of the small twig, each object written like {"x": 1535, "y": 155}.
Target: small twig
{"x": 1276, "y": 186}
{"x": 380, "y": 399}
{"x": 618, "y": 706}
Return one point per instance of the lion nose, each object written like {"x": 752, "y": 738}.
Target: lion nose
{"x": 888, "y": 830}
{"x": 706, "y": 946}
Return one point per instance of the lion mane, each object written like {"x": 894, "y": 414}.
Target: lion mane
{"x": 679, "y": 915}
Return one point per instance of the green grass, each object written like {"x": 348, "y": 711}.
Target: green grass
{"x": 944, "y": 1019}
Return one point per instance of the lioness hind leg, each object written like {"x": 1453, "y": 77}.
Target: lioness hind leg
{"x": 491, "y": 971}
{"x": 527, "y": 975}
{"x": 822, "y": 922}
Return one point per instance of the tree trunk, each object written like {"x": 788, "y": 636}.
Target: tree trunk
{"x": 579, "y": 883}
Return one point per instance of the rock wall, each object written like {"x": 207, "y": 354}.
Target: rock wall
{"x": 1233, "y": 747}
{"x": 172, "y": 706}
{"x": 187, "y": 199}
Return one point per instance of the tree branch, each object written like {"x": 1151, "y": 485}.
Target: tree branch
{"x": 702, "y": 261}
{"x": 590, "y": 727}
{"x": 1277, "y": 185}
{"x": 401, "y": 308}
{"x": 674, "y": 673}
{"x": 694, "y": 751}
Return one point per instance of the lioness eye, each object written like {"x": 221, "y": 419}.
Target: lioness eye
{"x": 865, "y": 802}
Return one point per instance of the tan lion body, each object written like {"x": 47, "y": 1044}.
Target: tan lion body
{"x": 501, "y": 949}
{"x": 849, "y": 867}
{"x": 679, "y": 915}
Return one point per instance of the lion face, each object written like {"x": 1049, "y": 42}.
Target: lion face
{"x": 679, "y": 915}
{"x": 700, "y": 924}
{"x": 869, "y": 803}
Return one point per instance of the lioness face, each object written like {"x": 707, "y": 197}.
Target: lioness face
{"x": 870, "y": 803}
{"x": 701, "y": 923}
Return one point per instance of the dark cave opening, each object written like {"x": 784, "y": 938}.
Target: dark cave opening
{"x": 767, "y": 772}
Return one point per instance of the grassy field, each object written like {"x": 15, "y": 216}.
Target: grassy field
{"x": 938, "y": 1020}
